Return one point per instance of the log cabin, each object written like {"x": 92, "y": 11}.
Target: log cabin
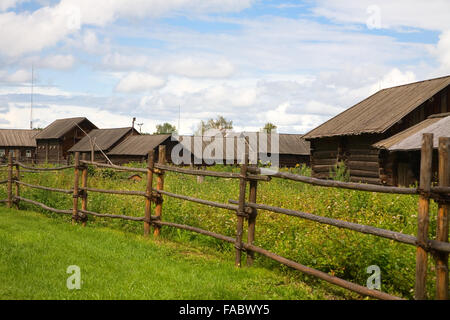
{"x": 99, "y": 142}
{"x": 349, "y": 137}
{"x": 293, "y": 150}
{"x": 400, "y": 154}
{"x": 55, "y": 140}
{"x": 135, "y": 148}
{"x": 20, "y": 142}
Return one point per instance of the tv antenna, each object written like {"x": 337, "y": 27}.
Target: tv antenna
{"x": 31, "y": 98}
{"x": 140, "y": 126}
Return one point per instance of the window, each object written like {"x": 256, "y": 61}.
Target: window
{"x": 2, "y": 152}
{"x": 28, "y": 153}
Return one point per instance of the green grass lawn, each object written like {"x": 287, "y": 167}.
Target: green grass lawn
{"x": 36, "y": 250}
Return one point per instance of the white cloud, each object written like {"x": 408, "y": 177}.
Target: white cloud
{"x": 431, "y": 14}
{"x": 193, "y": 66}
{"x": 102, "y": 12}
{"x": 139, "y": 82}
{"x": 60, "y": 62}
{"x": 7, "y": 4}
{"x": 199, "y": 68}
{"x": 33, "y": 31}
{"x": 16, "y": 77}
{"x": 442, "y": 51}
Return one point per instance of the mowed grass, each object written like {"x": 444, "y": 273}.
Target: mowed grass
{"x": 36, "y": 250}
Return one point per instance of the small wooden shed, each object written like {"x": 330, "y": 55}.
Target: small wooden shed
{"x": 102, "y": 140}
{"x": 55, "y": 140}
{"x": 136, "y": 148}
{"x": 18, "y": 141}
{"x": 400, "y": 154}
{"x": 349, "y": 136}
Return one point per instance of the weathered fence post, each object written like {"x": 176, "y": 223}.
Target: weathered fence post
{"x": 160, "y": 186}
{"x": 75, "y": 187}
{"x": 148, "y": 192}
{"x": 251, "y": 221}
{"x": 422, "y": 217}
{"x": 84, "y": 184}
{"x": 442, "y": 220}
{"x": 17, "y": 193}
{"x": 10, "y": 178}
{"x": 241, "y": 207}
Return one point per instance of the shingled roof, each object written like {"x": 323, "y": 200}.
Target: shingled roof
{"x": 380, "y": 111}
{"x": 60, "y": 127}
{"x": 411, "y": 138}
{"x": 104, "y": 139}
{"x": 17, "y": 138}
{"x": 139, "y": 145}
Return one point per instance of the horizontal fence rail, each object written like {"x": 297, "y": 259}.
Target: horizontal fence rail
{"x": 119, "y": 192}
{"x": 43, "y": 169}
{"x": 201, "y": 201}
{"x": 43, "y": 206}
{"x": 388, "y": 234}
{"x": 248, "y": 209}
{"x": 34, "y": 186}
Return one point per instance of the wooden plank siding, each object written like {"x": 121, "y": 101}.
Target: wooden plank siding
{"x": 371, "y": 165}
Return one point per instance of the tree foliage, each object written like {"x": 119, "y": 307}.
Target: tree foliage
{"x": 165, "y": 128}
{"x": 219, "y": 123}
{"x": 269, "y": 127}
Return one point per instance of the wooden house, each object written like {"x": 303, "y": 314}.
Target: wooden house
{"x": 400, "y": 154}
{"x": 135, "y": 148}
{"x": 55, "y": 140}
{"x": 292, "y": 149}
{"x": 20, "y": 142}
{"x": 100, "y": 141}
{"x": 349, "y": 136}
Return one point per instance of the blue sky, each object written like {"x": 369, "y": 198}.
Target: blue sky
{"x": 293, "y": 63}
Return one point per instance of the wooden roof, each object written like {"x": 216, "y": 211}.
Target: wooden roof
{"x": 58, "y": 128}
{"x": 18, "y": 138}
{"x": 411, "y": 138}
{"x": 104, "y": 139}
{"x": 380, "y": 111}
{"x": 288, "y": 144}
{"x": 139, "y": 145}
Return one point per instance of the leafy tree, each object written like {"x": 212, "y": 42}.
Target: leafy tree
{"x": 165, "y": 128}
{"x": 269, "y": 127}
{"x": 220, "y": 123}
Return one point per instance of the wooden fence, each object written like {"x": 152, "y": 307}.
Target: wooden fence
{"x": 247, "y": 210}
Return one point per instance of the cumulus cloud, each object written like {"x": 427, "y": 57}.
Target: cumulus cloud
{"x": 60, "y": 62}
{"x": 139, "y": 82}
{"x": 7, "y": 4}
{"x": 17, "y": 77}
{"x": 442, "y": 51}
{"x": 32, "y": 31}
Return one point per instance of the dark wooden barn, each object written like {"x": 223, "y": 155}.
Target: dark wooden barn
{"x": 292, "y": 149}
{"x": 349, "y": 136}
{"x": 20, "y": 142}
{"x": 400, "y": 154}
{"x": 55, "y": 140}
{"x": 100, "y": 141}
{"x": 136, "y": 148}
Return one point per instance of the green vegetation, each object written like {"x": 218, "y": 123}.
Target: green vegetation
{"x": 36, "y": 250}
{"x": 343, "y": 253}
